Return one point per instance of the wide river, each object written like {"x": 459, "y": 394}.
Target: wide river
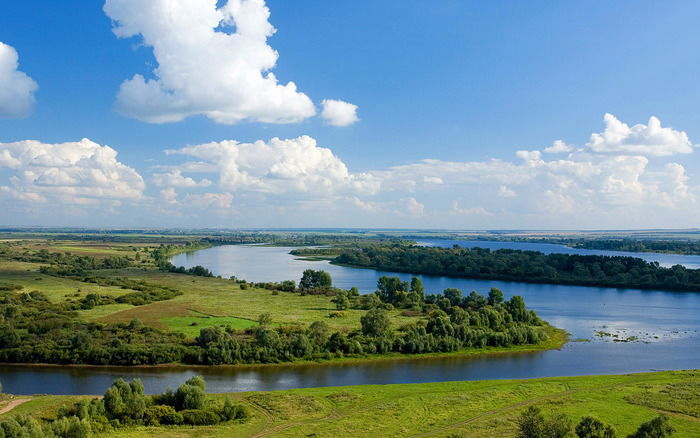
{"x": 666, "y": 325}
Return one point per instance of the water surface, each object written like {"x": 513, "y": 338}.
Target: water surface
{"x": 666, "y": 325}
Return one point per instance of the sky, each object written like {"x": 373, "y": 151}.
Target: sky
{"x": 404, "y": 114}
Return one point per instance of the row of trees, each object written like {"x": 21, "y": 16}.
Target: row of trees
{"x": 532, "y": 424}
{"x": 528, "y": 266}
{"x": 126, "y": 405}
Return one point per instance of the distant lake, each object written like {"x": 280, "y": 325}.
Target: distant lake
{"x": 666, "y": 324}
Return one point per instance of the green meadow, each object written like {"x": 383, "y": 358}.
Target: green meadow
{"x": 446, "y": 409}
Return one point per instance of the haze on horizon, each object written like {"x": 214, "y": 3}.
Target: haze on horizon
{"x": 254, "y": 114}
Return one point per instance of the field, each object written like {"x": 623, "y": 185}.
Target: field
{"x": 466, "y": 409}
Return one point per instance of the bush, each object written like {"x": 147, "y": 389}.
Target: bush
{"x": 200, "y": 417}
{"x": 161, "y": 414}
{"x": 231, "y": 411}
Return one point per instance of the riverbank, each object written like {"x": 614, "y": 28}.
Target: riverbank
{"x": 466, "y": 409}
{"x": 557, "y": 338}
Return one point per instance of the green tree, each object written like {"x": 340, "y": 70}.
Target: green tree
{"x": 375, "y": 323}
{"x": 590, "y": 427}
{"x": 417, "y": 286}
{"x": 265, "y": 319}
{"x": 655, "y": 428}
{"x": 532, "y": 424}
{"x": 341, "y": 300}
{"x": 495, "y": 296}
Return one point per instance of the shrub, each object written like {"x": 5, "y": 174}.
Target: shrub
{"x": 200, "y": 417}
{"x": 231, "y": 411}
{"x": 160, "y": 414}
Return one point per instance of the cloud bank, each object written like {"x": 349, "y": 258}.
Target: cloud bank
{"x": 75, "y": 173}
{"x": 16, "y": 88}
{"x": 211, "y": 61}
{"x": 625, "y": 180}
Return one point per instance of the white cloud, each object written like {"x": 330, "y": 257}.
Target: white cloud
{"x": 339, "y": 113}
{"x": 433, "y": 180}
{"x": 649, "y": 140}
{"x": 74, "y": 173}
{"x": 558, "y": 147}
{"x": 472, "y": 211}
{"x": 207, "y": 200}
{"x": 174, "y": 178}
{"x": 414, "y": 207}
{"x": 294, "y": 166}
{"x": 169, "y": 195}
{"x": 16, "y": 88}
{"x": 202, "y": 67}
{"x": 506, "y": 192}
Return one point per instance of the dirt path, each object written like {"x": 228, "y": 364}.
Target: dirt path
{"x": 13, "y": 404}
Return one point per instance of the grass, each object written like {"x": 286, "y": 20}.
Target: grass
{"x": 191, "y": 325}
{"x": 225, "y": 299}
{"x": 468, "y": 409}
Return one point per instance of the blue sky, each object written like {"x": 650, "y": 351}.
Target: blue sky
{"x": 461, "y": 83}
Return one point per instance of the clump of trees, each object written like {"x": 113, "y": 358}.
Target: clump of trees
{"x": 533, "y": 424}
{"x": 528, "y": 266}
{"x": 126, "y": 405}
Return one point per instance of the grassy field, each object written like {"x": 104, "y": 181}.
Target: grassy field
{"x": 467, "y": 409}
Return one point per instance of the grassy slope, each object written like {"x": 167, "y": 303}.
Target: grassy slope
{"x": 473, "y": 409}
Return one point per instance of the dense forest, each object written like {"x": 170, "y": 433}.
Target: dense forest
{"x": 526, "y": 266}
{"x": 631, "y": 245}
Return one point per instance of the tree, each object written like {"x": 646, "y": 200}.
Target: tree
{"x": 495, "y": 296}
{"x": 590, "y": 427}
{"x": 655, "y": 428}
{"x": 311, "y": 279}
{"x": 191, "y": 394}
{"x": 265, "y": 319}
{"x": 341, "y": 300}
{"x": 417, "y": 286}
{"x": 125, "y": 401}
{"x": 375, "y": 323}
{"x": 532, "y": 424}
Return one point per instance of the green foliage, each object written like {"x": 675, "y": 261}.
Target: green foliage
{"x": 590, "y": 427}
{"x": 658, "y": 427}
{"x": 375, "y": 323}
{"x": 532, "y": 424}
{"x": 125, "y": 401}
{"x": 517, "y": 265}
{"x": 200, "y": 417}
{"x": 161, "y": 414}
{"x": 315, "y": 280}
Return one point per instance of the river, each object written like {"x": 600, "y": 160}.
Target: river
{"x": 665, "y": 324}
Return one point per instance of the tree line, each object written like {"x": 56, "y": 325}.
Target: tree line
{"x": 533, "y": 424}
{"x": 126, "y": 405}
{"x": 525, "y": 266}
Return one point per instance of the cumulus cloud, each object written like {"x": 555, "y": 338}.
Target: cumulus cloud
{"x": 16, "y": 88}
{"x": 558, "y": 147}
{"x": 472, "y": 211}
{"x": 174, "y": 178}
{"x": 211, "y": 61}
{"x": 207, "y": 200}
{"x": 649, "y": 140}
{"x": 277, "y": 167}
{"x": 413, "y": 207}
{"x": 81, "y": 172}
{"x": 339, "y": 113}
